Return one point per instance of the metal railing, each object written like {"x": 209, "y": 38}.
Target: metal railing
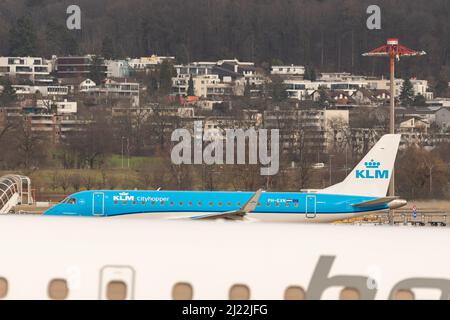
{"x": 14, "y": 190}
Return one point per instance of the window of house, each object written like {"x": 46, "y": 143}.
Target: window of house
{"x": 116, "y": 290}
{"x": 58, "y": 289}
{"x": 182, "y": 291}
{"x": 239, "y": 292}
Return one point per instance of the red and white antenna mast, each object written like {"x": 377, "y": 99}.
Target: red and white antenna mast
{"x": 394, "y": 51}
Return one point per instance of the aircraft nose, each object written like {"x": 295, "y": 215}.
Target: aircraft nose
{"x": 398, "y": 203}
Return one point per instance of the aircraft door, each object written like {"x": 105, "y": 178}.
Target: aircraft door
{"x": 311, "y": 206}
{"x": 98, "y": 204}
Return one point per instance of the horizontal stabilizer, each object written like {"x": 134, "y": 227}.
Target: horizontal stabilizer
{"x": 248, "y": 207}
{"x": 374, "y": 203}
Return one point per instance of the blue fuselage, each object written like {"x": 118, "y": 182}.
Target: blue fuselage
{"x": 113, "y": 203}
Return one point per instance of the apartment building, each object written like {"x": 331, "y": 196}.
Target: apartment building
{"x": 44, "y": 91}
{"x": 118, "y": 68}
{"x": 291, "y": 70}
{"x": 116, "y": 89}
{"x": 145, "y": 63}
{"x": 78, "y": 66}
{"x": 34, "y": 69}
{"x": 419, "y": 86}
{"x": 313, "y": 129}
{"x": 208, "y": 86}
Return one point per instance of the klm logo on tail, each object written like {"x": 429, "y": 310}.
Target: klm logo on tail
{"x": 372, "y": 171}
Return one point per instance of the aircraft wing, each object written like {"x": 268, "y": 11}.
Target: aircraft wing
{"x": 248, "y": 207}
{"x": 374, "y": 203}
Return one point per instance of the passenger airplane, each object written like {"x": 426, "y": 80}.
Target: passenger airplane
{"x": 84, "y": 258}
{"x": 361, "y": 193}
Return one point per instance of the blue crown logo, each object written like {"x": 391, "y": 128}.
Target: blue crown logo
{"x": 372, "y": 164}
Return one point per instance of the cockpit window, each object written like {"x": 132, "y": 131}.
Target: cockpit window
{"x": 72, "y": 201}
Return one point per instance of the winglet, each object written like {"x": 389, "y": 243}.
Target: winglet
{"x": 251, "y": 204}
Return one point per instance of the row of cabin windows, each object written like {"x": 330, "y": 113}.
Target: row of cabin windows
{"x": 199, "y": 204}
{"x": 117, "y": 290}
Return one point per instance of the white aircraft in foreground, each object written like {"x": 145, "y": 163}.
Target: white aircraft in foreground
{"x": 84, "y": 258}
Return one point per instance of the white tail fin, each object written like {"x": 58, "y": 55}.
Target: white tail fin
{"x": 372, "y": 175}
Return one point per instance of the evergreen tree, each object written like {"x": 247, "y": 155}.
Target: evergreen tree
{"x": 441, "y": 87}
{"x": 22, "y": 38}
{"x": 419, "y": 101}
{"x": 191, "y": 91}
{"x": 324, "y": 99}
{"x": 97, "y": 72}
{"x": 407, "y": 93}
{"x": 247, "y": 89}
{"x": 165, "y": 77}
{"x": 8, "y": 94}
{"x": 278, "y": 90}
{"x": 310, "y": 73}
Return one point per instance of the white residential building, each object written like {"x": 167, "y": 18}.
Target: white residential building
{"x": 195, "y": 68}
{"x": 32, "y": 68}
{"x": 66, "y": 107}
{"x": 291, "y": 70}
{"x": 202, "y": 83}
{"x": 143, "y": 63}
{"x": 208, "y": 85}
{"x": 302, "y": 89}
{"x": 115, "y": 89}
{"x": 45, "y": 91}
{"x": 340, "y": 76}
{"x": 419, "y": 86}
{"x": 117, "y": 68}
{"x": 86, "y": 85}
{"x": 439, "y": 102}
